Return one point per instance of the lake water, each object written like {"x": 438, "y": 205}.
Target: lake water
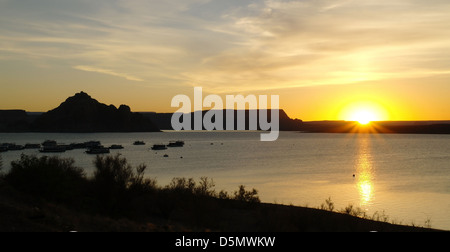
{"x": 406, "y": 176}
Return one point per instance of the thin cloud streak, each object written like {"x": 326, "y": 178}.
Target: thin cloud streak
{"x": 107, "y": 71}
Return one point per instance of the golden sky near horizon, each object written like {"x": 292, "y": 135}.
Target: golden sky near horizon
{"x": 327, "y": 59}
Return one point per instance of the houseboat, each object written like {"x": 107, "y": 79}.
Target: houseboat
{"x": 159, "y": 147}
{"x": 176, "y": 144}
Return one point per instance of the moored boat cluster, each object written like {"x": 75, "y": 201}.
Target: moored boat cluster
{"x": 92, "y": 147}
{"x": 51, "y": 146}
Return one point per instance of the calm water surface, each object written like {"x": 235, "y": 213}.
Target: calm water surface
{"x": 406, "y": 176}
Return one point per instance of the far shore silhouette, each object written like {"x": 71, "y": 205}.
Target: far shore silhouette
{"x": 83, "y": 114}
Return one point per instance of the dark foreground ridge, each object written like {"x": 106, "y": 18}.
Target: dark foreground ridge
{"x": 22, "y": 213}
{"x": 51, "y": 195}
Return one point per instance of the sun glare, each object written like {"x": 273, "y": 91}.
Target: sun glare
{"x": 364, "y": 117}
{"x": 364, "y": 113}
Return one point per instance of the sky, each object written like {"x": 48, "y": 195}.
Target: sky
{"x": 324, "y": 58}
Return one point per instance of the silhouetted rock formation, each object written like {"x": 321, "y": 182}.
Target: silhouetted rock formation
{"x": 289, "y": 124}
{"x": 81, "y": 113}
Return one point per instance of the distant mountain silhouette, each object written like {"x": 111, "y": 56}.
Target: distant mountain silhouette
{"x": 14, "y": 121}
{"x": 163, "y": 120}
{"x": 81, "y": 113}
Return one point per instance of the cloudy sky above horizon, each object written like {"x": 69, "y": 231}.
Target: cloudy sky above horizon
{"x": 318, "y": 55}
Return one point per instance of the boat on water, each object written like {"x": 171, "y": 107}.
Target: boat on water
{"x": 139, "y": 143}
{"x": 85, "y": 145}
{"x": 16, "y": 147}
{"x": 32, "y": 146}
{"x": 78, "y": 146}
{"x": 53, "y": 149}
{"x": 176, "y": 144}
{"x": 3, "y": 149}
{"x": 116, "y": 147}
{"x": 49, "y": 143}
{"x": 65, "y": 146}
{"x": 12, "y": 147}
{"x": 92, "y": 144}
{"x": 98, "y": 150}
{"x": 159, "y": 147}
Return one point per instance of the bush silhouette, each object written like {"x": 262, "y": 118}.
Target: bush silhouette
{"x": 189, "y": 186}
{"x": 247, "y": 196}
{"x": 182, "y": 185}
{"x": 53, "y": 178}
{"x": 118, "y": 190}
{"x": 206, "y": 187}
{"x": 115, "y": 183}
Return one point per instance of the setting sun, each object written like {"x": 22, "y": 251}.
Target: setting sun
{"x": 364, "y": 112}
{"x": 364, "y": 117}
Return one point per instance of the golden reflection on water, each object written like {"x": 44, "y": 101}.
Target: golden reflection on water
{"x": 364, "y": 172}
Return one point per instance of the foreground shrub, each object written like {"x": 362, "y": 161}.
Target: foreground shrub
{"x": 53, "y": 178}
{"x": 247, "y": 196}
{"x": 328, "y": 205}
{"x": 206, "y": 187}
{"x": 188, "y": 186}
{"x": 115, "y": 182}
{"x": 182, "y": 185}
{"x": 118, "y": 190}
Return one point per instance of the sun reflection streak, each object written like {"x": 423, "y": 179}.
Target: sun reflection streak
{"x": 364, "y": 171}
